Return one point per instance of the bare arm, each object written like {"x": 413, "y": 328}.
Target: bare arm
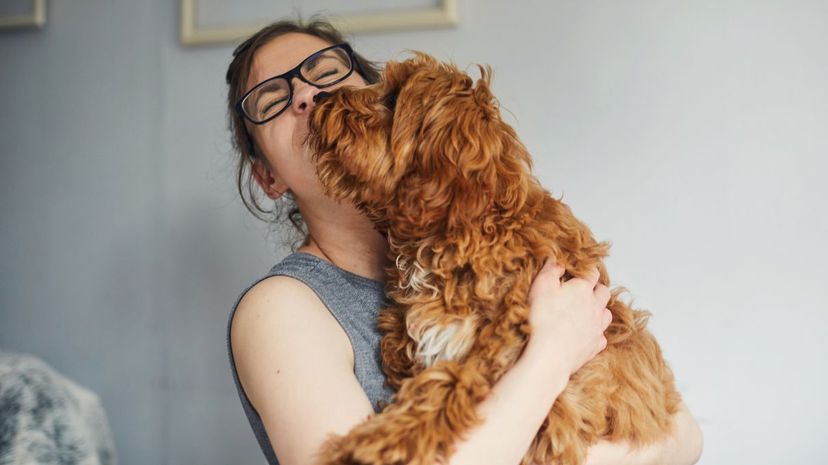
{"x": 513, "y": 412}
{"x": 296, "y": 365}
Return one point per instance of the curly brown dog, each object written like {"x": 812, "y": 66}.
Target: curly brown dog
{"x": 426, "y": 155}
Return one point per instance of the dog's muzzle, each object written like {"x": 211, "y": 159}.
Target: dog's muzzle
{"x": 321, "y": 96}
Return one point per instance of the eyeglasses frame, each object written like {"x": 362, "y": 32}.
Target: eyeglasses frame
{"x": 296, "y": 72}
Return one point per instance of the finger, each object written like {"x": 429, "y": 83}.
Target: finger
{"x": 590, "y": 278}
{"x": 602, "y": 293}
{"x": 550, "y": 264}
{"x": 558, "y": 271}
{"x": 602, "y": 344}
{"x": 593, "y": 275}
{"x": 552, "y": 267}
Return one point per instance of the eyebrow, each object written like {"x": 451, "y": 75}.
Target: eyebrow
{"x": 312, "y": 63}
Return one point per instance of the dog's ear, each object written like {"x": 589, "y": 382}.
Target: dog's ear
{"x": 475, "y": 158}
{"x": 397, "y": 73}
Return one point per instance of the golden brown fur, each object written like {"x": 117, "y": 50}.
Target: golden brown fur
{"x": 426, "y": 155}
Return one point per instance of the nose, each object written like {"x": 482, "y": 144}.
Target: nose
{"x": 304, "y": 96}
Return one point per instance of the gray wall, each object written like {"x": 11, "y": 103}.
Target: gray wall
{"x": 690, "y": 134}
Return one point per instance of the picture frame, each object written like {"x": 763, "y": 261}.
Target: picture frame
{"x": 443, "y": 14}
{"x": 35, "y": 16}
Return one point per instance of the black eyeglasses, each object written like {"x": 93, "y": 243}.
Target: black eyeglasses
{"x": 269, "y": 98}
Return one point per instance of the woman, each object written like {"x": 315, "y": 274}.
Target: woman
{"x": 302, "y": 343}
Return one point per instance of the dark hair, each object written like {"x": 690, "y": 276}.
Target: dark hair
{"x": 237, "y": 75}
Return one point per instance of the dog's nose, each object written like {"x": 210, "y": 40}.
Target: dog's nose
{"x": 321, "y": 96}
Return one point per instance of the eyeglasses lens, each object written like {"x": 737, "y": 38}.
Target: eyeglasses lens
{"x": 327, "y": 67}
{"x": 267, "y": 100}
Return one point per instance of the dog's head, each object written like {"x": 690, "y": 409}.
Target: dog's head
{"x": 423, "y": 148}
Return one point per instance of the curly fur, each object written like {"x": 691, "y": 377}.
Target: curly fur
{"x": 426, "y": 155}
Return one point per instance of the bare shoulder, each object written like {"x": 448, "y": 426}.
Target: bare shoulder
{"x": 285, "y": 307}
{"x": 295, "y": 363}
{"x": 288, "y": 313}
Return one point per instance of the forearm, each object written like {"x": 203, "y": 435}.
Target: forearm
{"x": 682, "y": 447}
{"x": 513, "y": 412}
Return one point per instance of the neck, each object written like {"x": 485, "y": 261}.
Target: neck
{"x": 340, "y": 234}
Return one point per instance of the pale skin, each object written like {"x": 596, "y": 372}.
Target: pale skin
{"x": 296, "y": 363}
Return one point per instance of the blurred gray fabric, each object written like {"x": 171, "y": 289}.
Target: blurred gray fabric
{"x": 46, "y": 418}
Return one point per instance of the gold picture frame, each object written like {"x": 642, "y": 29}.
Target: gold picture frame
{"x": 37, "y": 17}
{"x": 445, "y": 14}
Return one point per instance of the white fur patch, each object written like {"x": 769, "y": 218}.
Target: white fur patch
{"x": 445, "y": 342}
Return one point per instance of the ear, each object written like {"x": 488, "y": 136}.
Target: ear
{"x": 270, "y": 182}
{"x": 467, "y": 137}
{"x": 397, "y": 73}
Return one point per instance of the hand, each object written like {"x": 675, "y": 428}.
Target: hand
{"x": 568, "y": 319}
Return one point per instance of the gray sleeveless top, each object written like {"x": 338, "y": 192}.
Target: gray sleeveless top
{"x": 355, "y": 302}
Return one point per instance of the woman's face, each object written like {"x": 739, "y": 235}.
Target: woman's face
{"x": 280, "y": 140}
